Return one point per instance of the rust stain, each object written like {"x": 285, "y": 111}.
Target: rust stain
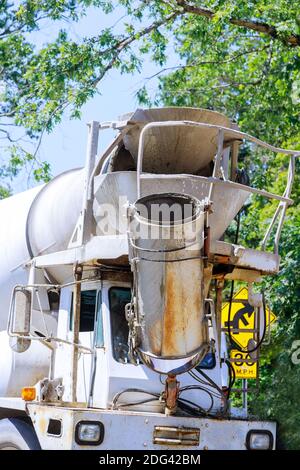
{"x": 183, "y": 312}
{"x": 192, "y": 308}
{"x": 222, "y": 259}
{"x": 169, "y": 343}
{"x": 155, "y": 337}
{"x": 42, "y": 424}
{"x": 173, "y": 320}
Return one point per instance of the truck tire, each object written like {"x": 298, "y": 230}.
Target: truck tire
{"x": 16, "y": 434}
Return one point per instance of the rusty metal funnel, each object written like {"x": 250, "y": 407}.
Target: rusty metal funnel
{"x": 172, "y": 331}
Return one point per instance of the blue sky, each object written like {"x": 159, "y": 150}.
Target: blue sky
{"x": 65, "y": 147}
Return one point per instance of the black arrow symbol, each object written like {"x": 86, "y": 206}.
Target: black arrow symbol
{"x": 241, "y": 316}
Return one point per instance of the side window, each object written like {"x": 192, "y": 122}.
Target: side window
{"x": 118, "y": 298}
{"x": 87, "y": 310}
{"x": 99, "y": 340}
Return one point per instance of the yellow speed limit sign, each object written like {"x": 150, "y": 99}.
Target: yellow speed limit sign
{"x": 244, "y": 366}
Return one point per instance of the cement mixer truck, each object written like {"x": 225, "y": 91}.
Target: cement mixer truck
{"x": 111, "y": 286}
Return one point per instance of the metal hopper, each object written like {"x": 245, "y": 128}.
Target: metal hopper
{"x": 174, "y": 150}
{"x": 173, "y": 158}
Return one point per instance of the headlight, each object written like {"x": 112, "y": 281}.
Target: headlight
{"x": 259, "y": 440}
{"x": 89, "y": 433}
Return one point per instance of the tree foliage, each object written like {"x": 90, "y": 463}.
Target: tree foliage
{"x": 255, "y": 78}
{"x": 211, "y": 38}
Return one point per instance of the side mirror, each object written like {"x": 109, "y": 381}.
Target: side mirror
{"x": 21, "y": 320}
{"x": 22, "y": 312}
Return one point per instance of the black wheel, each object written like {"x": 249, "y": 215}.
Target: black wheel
{"x": 15, "y": 434}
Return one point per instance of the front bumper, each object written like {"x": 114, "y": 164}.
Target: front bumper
{"x": 143, "y": 431}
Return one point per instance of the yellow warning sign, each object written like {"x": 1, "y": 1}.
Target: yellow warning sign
{"x": 242, "y": 317}
{"x": 244, "y": 366}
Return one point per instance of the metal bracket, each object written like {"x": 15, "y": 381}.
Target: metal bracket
{"x": 50, "y": 390}
{"x": 171, "y": 394}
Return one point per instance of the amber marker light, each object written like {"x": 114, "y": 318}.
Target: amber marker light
{"x": 28, "y": 393}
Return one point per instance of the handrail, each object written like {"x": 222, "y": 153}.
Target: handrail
{"x": 238, "y": 135}
{"x": 212, "y": 180}
{"x": 100, "y": 162}
{"x": 282, "y": 206}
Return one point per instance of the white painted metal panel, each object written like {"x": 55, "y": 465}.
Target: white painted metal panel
{"x": 114, "y": 190}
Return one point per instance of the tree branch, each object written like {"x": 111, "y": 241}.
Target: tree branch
{"x": 8, "y": 136}
{"x": 193, "y": 64}
{"x": 10, "y": 30}
{"x": 125, "y": 42}
{"x": 292, "y": 40}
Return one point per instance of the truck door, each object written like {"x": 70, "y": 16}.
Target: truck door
{"x": 90, "y": 336}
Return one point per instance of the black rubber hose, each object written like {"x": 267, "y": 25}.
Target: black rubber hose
{"x": 230, "y": 304}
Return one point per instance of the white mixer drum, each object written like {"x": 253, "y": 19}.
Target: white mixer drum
{"x": 35, "y": 222}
